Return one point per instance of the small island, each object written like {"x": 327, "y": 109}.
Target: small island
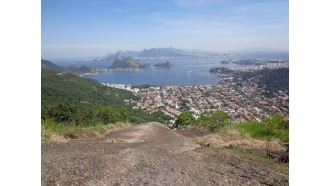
{"x": 127, "y": 63}
{"x": 222, "y": 70}
{"x": 80, "y": 69}
{"x": 130, "y": 63}
{"x": 167, "y": 64}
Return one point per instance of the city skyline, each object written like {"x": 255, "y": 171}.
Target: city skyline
{"x": 77, "y": 28}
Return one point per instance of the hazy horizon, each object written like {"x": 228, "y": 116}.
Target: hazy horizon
{"x": 75, "y": 28}
{"x": 249, "y": 51}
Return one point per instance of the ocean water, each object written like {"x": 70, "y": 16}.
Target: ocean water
{"x": 186, "y": 72}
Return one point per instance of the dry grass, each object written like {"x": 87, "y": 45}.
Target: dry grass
{"x": 58, "y": 138}
{"x": 151, "y": 161}
{"x": 64, "y": 134}
{"x": 234, "y": 139}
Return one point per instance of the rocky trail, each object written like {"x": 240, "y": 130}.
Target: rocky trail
{"x": 148, "y": 154}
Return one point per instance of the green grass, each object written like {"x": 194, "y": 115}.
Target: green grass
{"x": 271, "y": 128}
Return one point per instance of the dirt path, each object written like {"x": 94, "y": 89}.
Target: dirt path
{"x": 147, "y": 154}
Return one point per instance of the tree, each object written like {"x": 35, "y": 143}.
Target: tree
{"x": 69, "y": 113}
{"x": 185, "y": 105}
{"x": 185, "y": 118}
{"x": 215, "y": 120}
{"x": 61, "y": 112}
{"x": 112, "y": 115}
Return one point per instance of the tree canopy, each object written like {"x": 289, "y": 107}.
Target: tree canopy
{"x": 185, "y": 118}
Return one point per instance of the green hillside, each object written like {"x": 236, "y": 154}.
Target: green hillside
{"x": 50, "y": 66}
{"x": 58, "y": 87}
{"x": 69, "y": 99}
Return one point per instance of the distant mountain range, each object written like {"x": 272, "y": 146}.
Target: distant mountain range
{"x": 162, "y": 52}
{"x": 172, "y": 52}
{"x": 153, "y": 52}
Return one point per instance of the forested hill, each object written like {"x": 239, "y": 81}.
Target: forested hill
{"x": 50, "y": 66}
{"x": 66, "y": 87}
{"x": 68, "y": 98}
{"x": 272, "y": 79}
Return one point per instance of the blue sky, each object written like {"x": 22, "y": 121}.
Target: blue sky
{"x": 90, "y": 28}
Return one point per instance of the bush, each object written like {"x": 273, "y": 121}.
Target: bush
{"x": 185, "y": 118}
{"x": 69, "y": 113}
{"x": 112, "y": 115}
{"x": 214, "y": 121}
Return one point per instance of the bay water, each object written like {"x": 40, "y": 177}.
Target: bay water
{"x": 186, "y": 72}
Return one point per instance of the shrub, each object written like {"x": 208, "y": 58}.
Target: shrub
{"x": 112, "y": 115}
{"x": 185, "y": 118}
{"x": 70, "y": 113}
{"x": 214, "y": 121}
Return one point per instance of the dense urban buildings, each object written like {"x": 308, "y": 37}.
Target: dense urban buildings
{"x": 242, "y": 100}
